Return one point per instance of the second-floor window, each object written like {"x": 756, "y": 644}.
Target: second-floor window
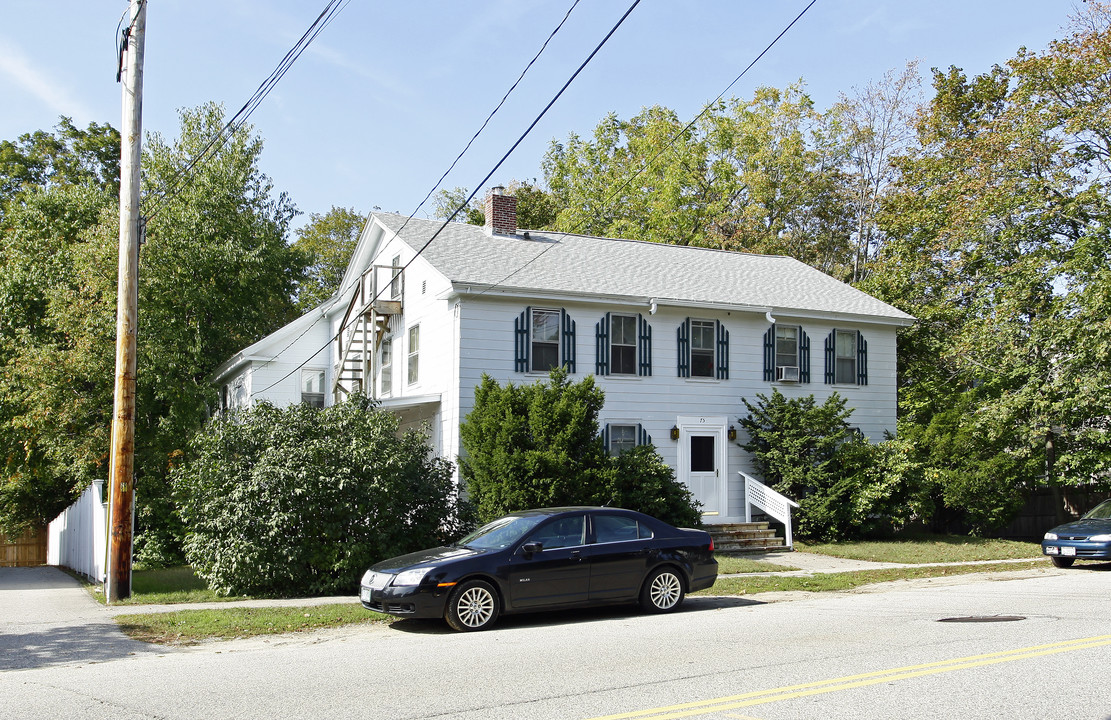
{"x": 544, "y": 338}
{"x": 623, "y": 345}
{"x": 703, "y": 349}
{"x": 846, "y": 358}
{"x": 786, "y": 354}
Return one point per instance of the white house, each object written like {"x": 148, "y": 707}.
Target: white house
{"x": 675, "y": 336}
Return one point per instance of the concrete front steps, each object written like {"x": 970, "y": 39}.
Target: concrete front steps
{"x": 740, "y": 538}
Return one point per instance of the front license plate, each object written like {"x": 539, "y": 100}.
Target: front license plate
{"x": 1068, "y": 551}
{"x": 364, "y": 594}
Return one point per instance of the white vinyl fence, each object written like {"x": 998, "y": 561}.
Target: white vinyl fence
{"x": 78, "y": 537}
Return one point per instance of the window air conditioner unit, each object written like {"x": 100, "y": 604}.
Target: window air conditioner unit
{"x": 786, "y": 373}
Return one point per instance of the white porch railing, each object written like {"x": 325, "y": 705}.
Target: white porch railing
{"x": 771, "y": 502}
{"x": 77, "y": 537}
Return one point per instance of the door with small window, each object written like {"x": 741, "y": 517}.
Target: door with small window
{"x": 703, "y": 456}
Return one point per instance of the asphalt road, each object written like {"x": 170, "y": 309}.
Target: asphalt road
{"x": 876, "y": 653}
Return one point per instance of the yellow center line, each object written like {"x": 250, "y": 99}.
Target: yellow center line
{"x": 761, "y": 697}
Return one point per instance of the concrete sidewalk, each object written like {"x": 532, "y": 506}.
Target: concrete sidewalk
{"x": 811, "y": 563}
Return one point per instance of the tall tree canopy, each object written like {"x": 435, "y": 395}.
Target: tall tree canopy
{"x": 215, "y": 274}
{"x": 770, "y": 175}
{"x": 998, "y": 243}
{"x": 328, "y": 241}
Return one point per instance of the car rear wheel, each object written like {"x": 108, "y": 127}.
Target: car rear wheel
{"x": 662, "y": 591}
{"x": 1063, "y": 562}
{"x": 473, "y": 605}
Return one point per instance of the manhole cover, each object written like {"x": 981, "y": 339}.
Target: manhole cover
{"x": 983, "y": 619}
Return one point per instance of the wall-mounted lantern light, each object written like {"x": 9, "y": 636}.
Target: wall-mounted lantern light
{"x": 675, "y": 432}
{"x": 732, "y": 433}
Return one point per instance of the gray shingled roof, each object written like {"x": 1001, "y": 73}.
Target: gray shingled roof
{"x": 580, "y": 264}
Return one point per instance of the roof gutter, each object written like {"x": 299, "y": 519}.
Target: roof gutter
{"x": 460, "y": 290}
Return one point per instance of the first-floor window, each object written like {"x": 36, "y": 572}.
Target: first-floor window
{"x": 702, "y": 348}
{"x": 385, "y": 372}
{"x": 622, "y": 438}
{"x": 845, "y": 345}
{"x": 545, "y": 339}
{"x": 414, "y": 350}
{"x": 312, "y": 388}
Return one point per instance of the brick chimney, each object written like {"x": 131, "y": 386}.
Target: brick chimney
{"x": 501, "y": 212}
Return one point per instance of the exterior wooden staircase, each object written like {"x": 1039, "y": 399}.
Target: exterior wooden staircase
{"x": 749, "y": 537}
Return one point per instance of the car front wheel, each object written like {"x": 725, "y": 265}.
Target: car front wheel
{"x": 1063, "y": 562}
{"x": 662, "y": 591}
{"x": 473, "y": 605}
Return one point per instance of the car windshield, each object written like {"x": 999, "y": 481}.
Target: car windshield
{"x": 502, "y": 532}
{"x": 1100, "y": 512}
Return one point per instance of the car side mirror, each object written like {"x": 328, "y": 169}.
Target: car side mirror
{"x": 532, "y": 547}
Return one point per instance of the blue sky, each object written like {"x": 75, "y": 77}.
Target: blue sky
{"x": 383, "y": 101}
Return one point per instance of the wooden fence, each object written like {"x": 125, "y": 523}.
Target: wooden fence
{"x": 27, "y": 550}
{"x": 1040, "y": 512}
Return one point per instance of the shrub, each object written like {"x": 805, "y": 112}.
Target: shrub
{"x": 845, "y": 486}
{"x": 538, "y": 445}
{"x": 300, "y": 501}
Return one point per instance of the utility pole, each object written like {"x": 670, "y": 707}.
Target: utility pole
{"x": 122, "y": 452}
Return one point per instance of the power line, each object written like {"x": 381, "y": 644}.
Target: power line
{"x": 668, "y": 145}
{"x": 483, "y": 182}
{"x": 670, "y": 142}
{"x": 218, "y": 140}
{"x": 343, "y": 290}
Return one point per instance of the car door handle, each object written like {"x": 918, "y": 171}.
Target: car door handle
{"x": 576, "y": 554}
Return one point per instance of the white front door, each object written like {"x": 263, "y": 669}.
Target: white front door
{"x": 703, "y": 458}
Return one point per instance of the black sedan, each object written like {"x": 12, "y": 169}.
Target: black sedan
{"x": 546, "y": 559}
{"x": 1088, "y": 538}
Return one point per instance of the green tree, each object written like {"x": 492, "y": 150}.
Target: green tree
{"x": 997, "y": 242}
{"x": 69, "y": 156}
{"x": 328, "y": 241}
{"x": 536, "y": 208}
{"x": 216, "y": 273}
{"x": 300, "y": 501}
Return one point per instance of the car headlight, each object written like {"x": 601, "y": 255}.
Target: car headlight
{"x": 410, "y": 577}
{"x": 1101, "y": 538}
{"x": 1050, "y": 536}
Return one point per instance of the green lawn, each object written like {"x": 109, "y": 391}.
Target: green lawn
{"x": 927, "y": 549}
{"x": 190, "y": 626}
{"x": 180, "y": 585}
{"x": 734, "y": 565}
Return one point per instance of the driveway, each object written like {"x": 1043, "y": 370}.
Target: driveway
{"x": 47, "y": 618}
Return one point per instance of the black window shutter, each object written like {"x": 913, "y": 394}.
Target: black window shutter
{"x": 521, "y": 344}
{"x": 568, "y": 341}
{"x": 684, "y": 347}
{"x": 644, "y": 339}
{"x": 804, "y": 356}
{"x": 861, "y": 359}
{"x": 831, "y": 362}
{"x": 606, "y": 437}
{"x": 769, "y": 354}
{"x": 723, "y": 350}
{"x": 602, "y": 346}
{"x": 643, "y": 438}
